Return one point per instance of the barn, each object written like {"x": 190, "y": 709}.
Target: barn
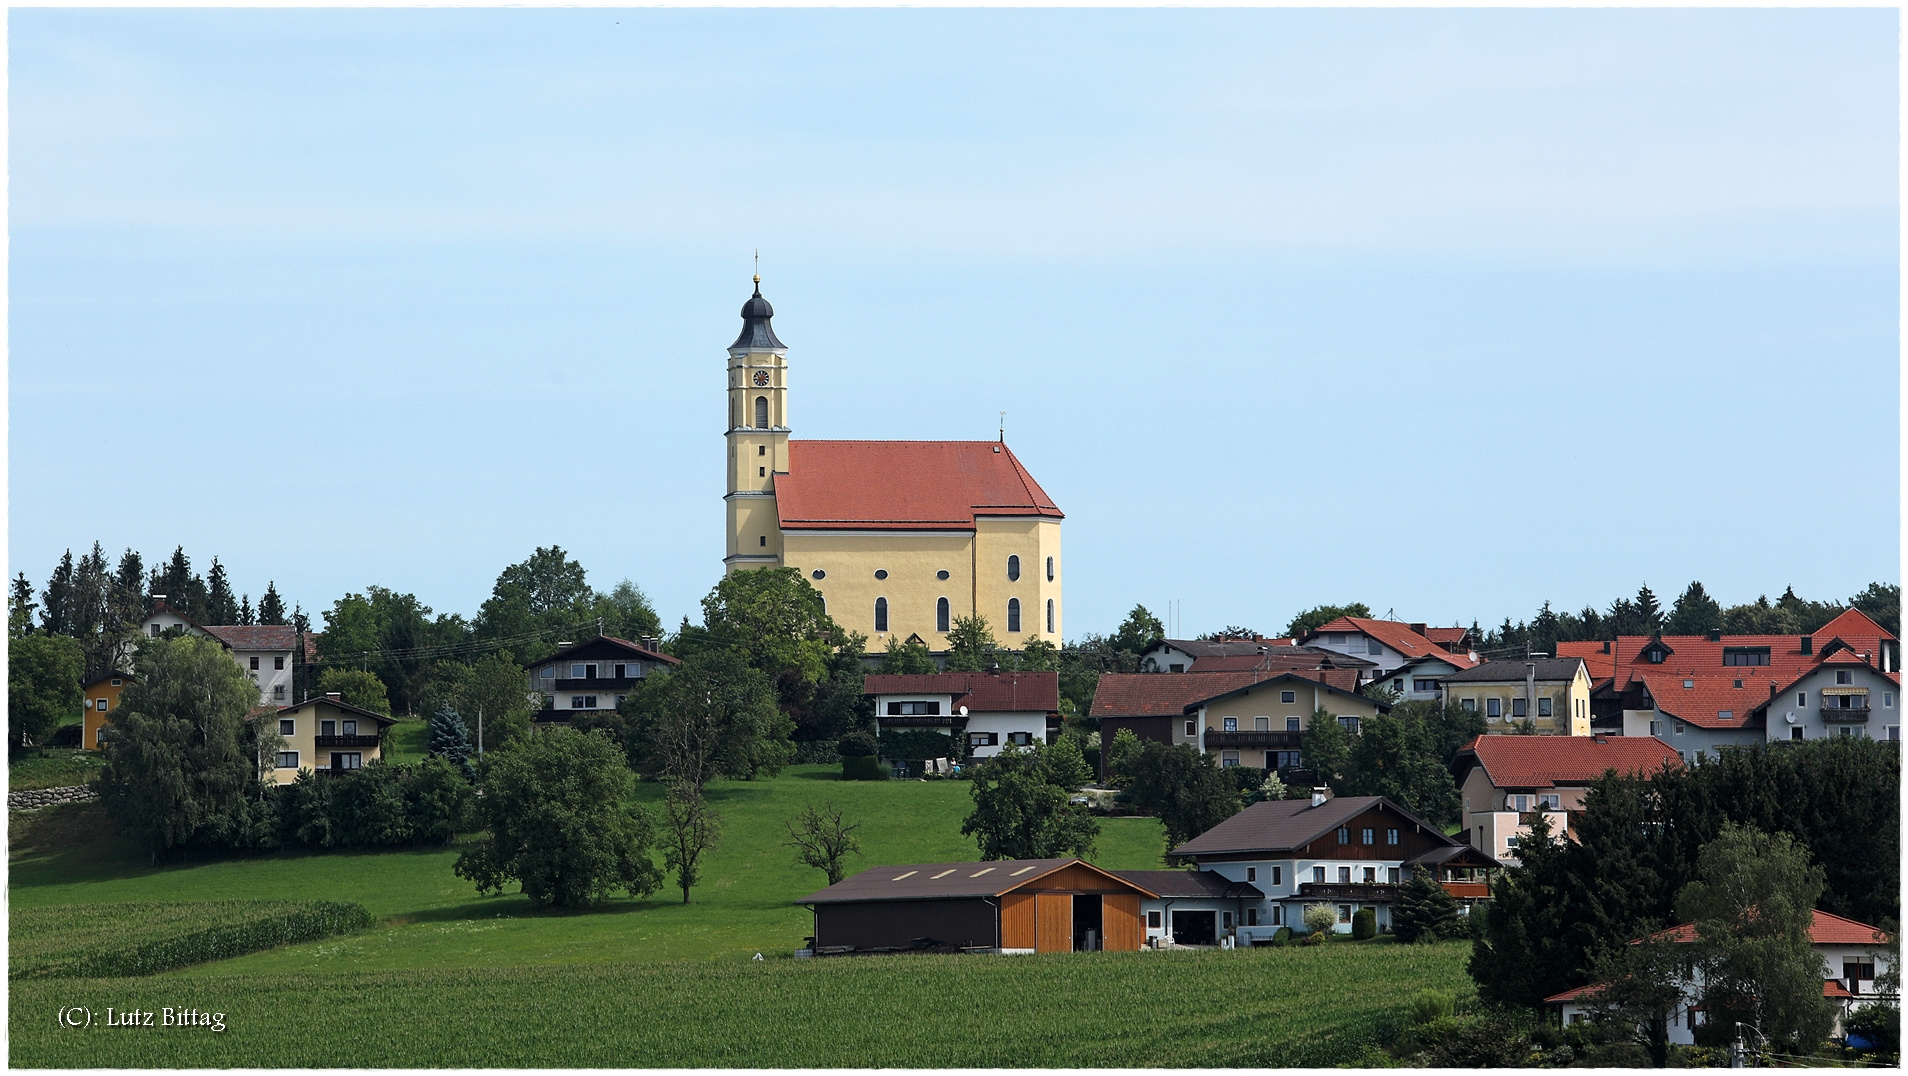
{"x": 1007, "y": 906}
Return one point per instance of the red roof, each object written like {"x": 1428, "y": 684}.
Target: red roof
{"x": 1827, "y": 929}
{"x": 1547, "y": 761}
{"x": 1447, "y": 637}
{"x": 904, "y": 485}
{"x": 1573, "y": 993}
{"x": 1853, "y": 624}
{"x": 1601, "y": 665}
{"x": 1003, "y": 692}
{"x": 254, "y": 636}
{"x": 1710, "y": 697}
{"x": 1395, "y": 634}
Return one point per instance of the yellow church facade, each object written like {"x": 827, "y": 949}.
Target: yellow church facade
{"x": 900, "y": 537}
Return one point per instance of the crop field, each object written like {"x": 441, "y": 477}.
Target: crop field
{"x": 1294, "y": 1007}
{"x": 141, "y": 938}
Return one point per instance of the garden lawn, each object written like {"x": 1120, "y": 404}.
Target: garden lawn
{"x": 430, "y": 918}
{"x": 52, "y": 767}
{"x": 1291, "y": 1007}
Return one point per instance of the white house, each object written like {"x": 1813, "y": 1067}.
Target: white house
{"x": 1350, "y": 852}
{"x": 1194, "y": 907}
{"x": 1845, "y": 695}
{"x": 592, "y": 676}
{"x": 1508, "y": 781}
{"x": 1853, "y": 954}
{"x": 1404, "y": 656}
{"x": 263, "y": 651}
{"x": 992, "y": 709}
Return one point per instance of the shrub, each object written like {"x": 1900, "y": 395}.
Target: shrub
{"x": 141, "y": 939}
{"x": 914, "y": 745}
{"x": 1426, "y": 1006}
{"x": 862, "y": 768}
{"x": 857, "y": 745}
{"x": 1282, "y": 936}
{"x": 1364, "y": 924}
{"x": 1319, "y": 918}
{"x": 816, "y": 752}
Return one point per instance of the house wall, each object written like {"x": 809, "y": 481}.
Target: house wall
{"x": 303, "y": 739}
{"x": 1018, "y": 923}
{"x": 1800, "y": 708}
{"x": 755, "y": 456}
{"x": 1004, "y": 723}
{"x": 273, "y": 675}
{"x": 1359, "y": 645}
{"x": 1569, "y": 701}
{"x": 1163, "y": 657}
{"x": 1404, "y": 681}
{"x": 1053, "y": 922}
{"x": 1267, "y": 701}
{"x": 92, "y": 719}
{"x": 896, "y": 923}
{"x": 1689, "y": 740}
{"x": 1491, "y": 818}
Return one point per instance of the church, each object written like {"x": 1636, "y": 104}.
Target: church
{"x": 900, "y": 537}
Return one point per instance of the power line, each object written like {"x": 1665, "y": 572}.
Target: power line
{"x": 447, "y": 649}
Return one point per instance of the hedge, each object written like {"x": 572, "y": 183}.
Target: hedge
{"x": 102, "y": 940}
{"x": 915, "y": 745}
{"x": 863, "y": 768}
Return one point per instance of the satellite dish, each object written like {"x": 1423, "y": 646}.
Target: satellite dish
{"x": 964, "y": 713}
{"x": 1790, "y": 717}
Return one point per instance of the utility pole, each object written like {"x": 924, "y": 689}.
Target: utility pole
{"x": 480, "y": 730}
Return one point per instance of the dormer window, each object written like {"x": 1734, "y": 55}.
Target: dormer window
{"x": 1745, "y": 655}
{"x": 1655, "y": 654}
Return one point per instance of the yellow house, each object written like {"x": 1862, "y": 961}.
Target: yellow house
{"x": 1552, "y": 693}
{"x": 1261, "y": 725}
{"x": 327, "y": 734}
{"x": 100, "y": 695}
{"x": 900, "y": 537}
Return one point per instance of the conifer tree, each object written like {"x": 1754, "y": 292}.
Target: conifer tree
{"x": 450, "y": 739}
{"x": 1425, "y": 911}
{"x": 1649, "y": 611}
{"x": 56, "y": 601}
{"x": 220, "y": 606}
{"x": 271, "y": 608}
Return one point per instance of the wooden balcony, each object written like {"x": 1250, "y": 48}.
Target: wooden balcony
{"x": 343, "y": 743}
{"x": 1280, "y": 740}
{"x": 1846, "y": 715}
{"x": 1468, "y": 890}
{"x": 1358, "y": 892}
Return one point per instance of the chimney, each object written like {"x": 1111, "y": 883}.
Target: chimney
{"x": 649, "y": 642}
{"x": 1606, "y": 646}
{"x": 1808, "y": 644}
{"x": 1600, "y": 739}
{"x": 1419, "y": 628}
{"x": 1772, "y": 689}
{"x": 1715, "y": 635}
{"x": 1321, "y": 793}
{"x": 335, "y": 696}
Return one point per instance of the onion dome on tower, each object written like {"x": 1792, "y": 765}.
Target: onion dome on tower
{"x": 757, "y": 333}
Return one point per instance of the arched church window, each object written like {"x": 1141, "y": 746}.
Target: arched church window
{"x": 1013, "y": 615}
{"x": 940, "y": 615}
{"x": 761, "y": 412}
{"x": 1013, "y": 569}
{"x": 1049, "y": 616}
{"x": 881, "y": 614}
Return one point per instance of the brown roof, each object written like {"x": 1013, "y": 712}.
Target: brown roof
{"x": 1210, "y": 884}
{"x": 341, "y": 705}
{"x": 904, "y": 485}
{"x": 254, "y": 636}
{"x": 1825, "y": 929}
{"x": 1548, "y": 670}
{"x": 1214, "y": 648}
{"x": 1002, "y": 692}
{"x": 620, "y": 644}
{"x": 1547, "y": 761}
{"x": 1320, "y": 678}
{"x": 1286, "y": 825}
{"x": 942, "y": 881}
{"x": 1170, "y": 694}
{"x": 1279, "y": 659}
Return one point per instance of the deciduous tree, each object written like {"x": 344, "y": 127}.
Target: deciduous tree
{"x": 824, "y": 839}
{"x": 1021, "y": 809}
{"x": 1178, "y": 785}
{"x": 690, "y": 829}
{"x": 43, "y": 685}
{"x": 713, "y": 716}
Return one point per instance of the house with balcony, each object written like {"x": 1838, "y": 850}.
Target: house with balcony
{"x": 1553, "y": 694}
{"x": 593, "y": 676}
{"x": 1843, "y": 695}
{"x": 1351, "y": 852}
{"x": 99, "y": 696}
{"x": 1853, "y": 955}
{"x": 990, "y": 711}
{"x": 327, "y": 735}
{"x": 1154, "y": 707}
{"x": 1262, "y": 724}
{"x": 1508, "y": 782}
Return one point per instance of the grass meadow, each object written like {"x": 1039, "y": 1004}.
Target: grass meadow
{"x": 445, "y": 977}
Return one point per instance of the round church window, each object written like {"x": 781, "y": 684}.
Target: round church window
{"x": 881, "y": 573}
{"x": 942, "y": 574}
{"x": 818, "y": 574}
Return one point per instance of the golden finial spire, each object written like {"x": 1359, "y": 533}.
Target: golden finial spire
{"x": 758, "y": 265}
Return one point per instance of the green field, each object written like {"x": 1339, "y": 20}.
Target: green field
{"x": 97, "y": 940}
{"x": 1270, "y": 1007}
{"x": 446, "y": 977}
{"x": 52, "y": 767}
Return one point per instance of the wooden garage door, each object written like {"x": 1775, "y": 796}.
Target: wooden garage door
{"x": 1017, "y": 921}
{"x": 1054, "y": 913}
{"x": 1120, "y": 918}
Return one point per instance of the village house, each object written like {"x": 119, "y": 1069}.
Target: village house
{"x": 1853, "y": 956}
{"x": 1350, "y": 852}
{"x": 327, "y": 734}
{"x": 592, "y": 677}
{"x": 100, "y": 697}
{"x": 990, "y": 710}
{"x": 1184, "y": 655}
{"x": 1702, "y": 693}
{"x": 1261, "y": 725}
{"x": 1508, "y": 782}
{"x": 1843, "y": 695}
{"x": 1403, "y": 656}
{"x": 263, "y": 651}
{"x": 1190, "y": 908}
{"x": 1553, "y": 694}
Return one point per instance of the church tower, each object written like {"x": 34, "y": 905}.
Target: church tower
{"x": 758, "y": 437}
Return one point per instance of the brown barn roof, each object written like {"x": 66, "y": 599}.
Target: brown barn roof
{"x": 942, "y": 881}
{"x": 1004, "y": 692}
{"x": 254, "y": 636}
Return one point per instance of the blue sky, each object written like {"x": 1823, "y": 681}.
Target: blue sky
{"x": 1448, "y": 312}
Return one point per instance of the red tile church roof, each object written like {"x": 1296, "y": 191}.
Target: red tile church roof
{"x": 904, "y": 485}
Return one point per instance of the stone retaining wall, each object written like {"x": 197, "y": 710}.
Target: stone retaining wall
{"x": 47, "y": 797}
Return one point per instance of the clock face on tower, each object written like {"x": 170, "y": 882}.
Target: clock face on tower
{"x": 761, "y": 377}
